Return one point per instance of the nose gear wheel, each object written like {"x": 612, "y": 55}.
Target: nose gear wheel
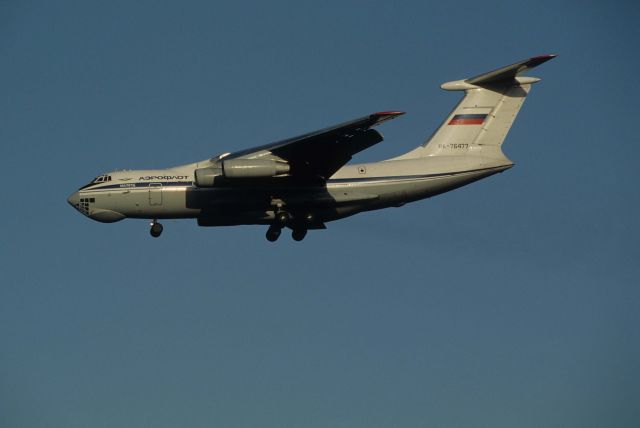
{"x": 156, "y": 229}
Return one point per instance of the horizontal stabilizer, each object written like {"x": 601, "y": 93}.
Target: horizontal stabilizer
{"x": 510, "y": 71}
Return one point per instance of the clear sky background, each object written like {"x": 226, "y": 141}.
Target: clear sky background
{"x": 511, "y": 302}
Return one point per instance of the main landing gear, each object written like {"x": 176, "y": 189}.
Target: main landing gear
{"x": 156, "y": 229}
{"x": 298, "y": 234}
{"x": 274, "y": 232}
{"x": 283, "y": 219}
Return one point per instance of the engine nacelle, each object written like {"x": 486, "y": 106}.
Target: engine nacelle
{"x": 205, "y": 177}
{"x": 240, "y": 168}
{"x": 253, "y": 168}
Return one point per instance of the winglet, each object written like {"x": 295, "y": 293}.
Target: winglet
{"x": 510, "y": 71}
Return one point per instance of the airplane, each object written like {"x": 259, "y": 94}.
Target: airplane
{"x": 304, "y": 182}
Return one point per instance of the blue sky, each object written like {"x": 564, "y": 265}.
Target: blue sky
{"x": 510, "y": 302}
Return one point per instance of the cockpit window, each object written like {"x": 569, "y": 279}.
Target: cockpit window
{"x": 98, "y": 179}
{"x": 101, "y": 179}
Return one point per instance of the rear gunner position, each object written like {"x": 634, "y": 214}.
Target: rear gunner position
{"x": 304, "y": 182}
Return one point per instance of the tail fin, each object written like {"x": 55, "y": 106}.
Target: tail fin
{"x": 480, "y": 122}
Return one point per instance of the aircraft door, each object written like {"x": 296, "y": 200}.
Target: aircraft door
{"x": 155, "y": 193}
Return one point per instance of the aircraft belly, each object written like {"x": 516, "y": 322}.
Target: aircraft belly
{"x": 171, "y": 204}
{"x": 392, "y": 192}
{"x": 174, "y": 203}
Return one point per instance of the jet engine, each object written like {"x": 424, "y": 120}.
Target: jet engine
{"x": 205, "y": 177}
{"x": 253, "y": 168}
{"x": 241, "y": 168}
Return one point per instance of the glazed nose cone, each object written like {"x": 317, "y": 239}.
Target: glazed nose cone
{"x": 74, "y": 199}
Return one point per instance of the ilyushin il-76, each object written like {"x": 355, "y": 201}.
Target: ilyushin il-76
{"x": 304, "y": 182}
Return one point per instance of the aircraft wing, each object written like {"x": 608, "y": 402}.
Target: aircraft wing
{"x": 321, "y": 153}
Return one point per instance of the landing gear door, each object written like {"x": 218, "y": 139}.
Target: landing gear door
{"x": 155, "y": 193}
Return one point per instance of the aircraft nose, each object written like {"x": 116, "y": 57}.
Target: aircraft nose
{"x": 74, "y": 199}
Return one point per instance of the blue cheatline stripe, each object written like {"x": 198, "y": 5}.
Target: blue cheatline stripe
{"x": 143, "y": 185}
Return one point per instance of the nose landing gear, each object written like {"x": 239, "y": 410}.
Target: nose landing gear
{"x": 156, "y": 229}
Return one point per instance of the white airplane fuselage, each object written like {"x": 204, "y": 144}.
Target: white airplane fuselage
{"x": 172, "y": 193}
{"x": 304, "y": 182}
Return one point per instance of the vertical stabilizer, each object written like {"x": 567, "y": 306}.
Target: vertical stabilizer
{"x": 478, "y": 125}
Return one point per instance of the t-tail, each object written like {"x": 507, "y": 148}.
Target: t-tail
{"x": 478, "y": 125}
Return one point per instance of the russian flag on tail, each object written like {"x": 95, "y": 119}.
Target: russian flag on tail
{"x": 468, "y": 119}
